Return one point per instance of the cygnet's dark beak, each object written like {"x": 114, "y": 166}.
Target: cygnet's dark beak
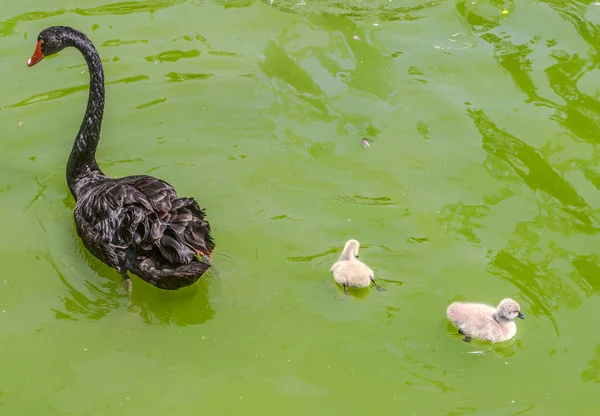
{"x": 520, "y": 315}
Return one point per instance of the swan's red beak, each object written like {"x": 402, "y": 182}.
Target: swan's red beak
{"x": 37, "y": 55}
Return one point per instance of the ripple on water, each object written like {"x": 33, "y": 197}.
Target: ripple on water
{"x": 63, "y": 92}
{"x": 128, "y": 7}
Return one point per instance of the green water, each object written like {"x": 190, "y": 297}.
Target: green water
{"x": 482, "y": 182}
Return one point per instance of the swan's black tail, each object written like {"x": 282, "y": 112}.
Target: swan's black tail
{"x": 169, "y": 276}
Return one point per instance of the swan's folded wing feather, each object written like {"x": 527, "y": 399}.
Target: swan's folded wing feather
{"x": 144, "y": 213}
{"x": 157, "y": 192}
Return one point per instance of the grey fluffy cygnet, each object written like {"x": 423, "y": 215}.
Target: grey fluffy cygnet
{"x": 484, "y": 322}
{"x": 348, "y": 271}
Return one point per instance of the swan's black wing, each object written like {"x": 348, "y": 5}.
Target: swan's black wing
{"x": 140, "y": 223}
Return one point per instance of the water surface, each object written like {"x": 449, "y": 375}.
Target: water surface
{"x": 482, "y": 182}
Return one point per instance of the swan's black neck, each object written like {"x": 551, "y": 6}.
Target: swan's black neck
{"x": 82, "y": 161}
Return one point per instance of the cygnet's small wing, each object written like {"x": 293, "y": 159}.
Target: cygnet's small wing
{"x": 353, "y": 273}
{"x": 461, "y": 313}
{"x": 476, "y": 320}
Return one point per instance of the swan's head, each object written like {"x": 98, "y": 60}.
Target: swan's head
{"x": 509, "y": 309}
{"x": 53, "y": 40}
{"x": 350, "y": 250}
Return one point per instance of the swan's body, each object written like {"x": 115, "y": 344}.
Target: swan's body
{"x": 135, "y": 223}
{"x": 348, "y": 271}
{"x": 484, "y": 322}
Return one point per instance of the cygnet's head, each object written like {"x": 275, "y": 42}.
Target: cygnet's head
{"x": 351, "y": 249}
{"x": 509, "y": 309}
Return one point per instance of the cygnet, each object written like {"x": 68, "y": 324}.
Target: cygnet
{"x": 350, "y": 272}
{"x": 484, "y": 322}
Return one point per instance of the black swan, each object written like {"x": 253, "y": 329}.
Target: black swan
{"x": 136, "y": 223}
